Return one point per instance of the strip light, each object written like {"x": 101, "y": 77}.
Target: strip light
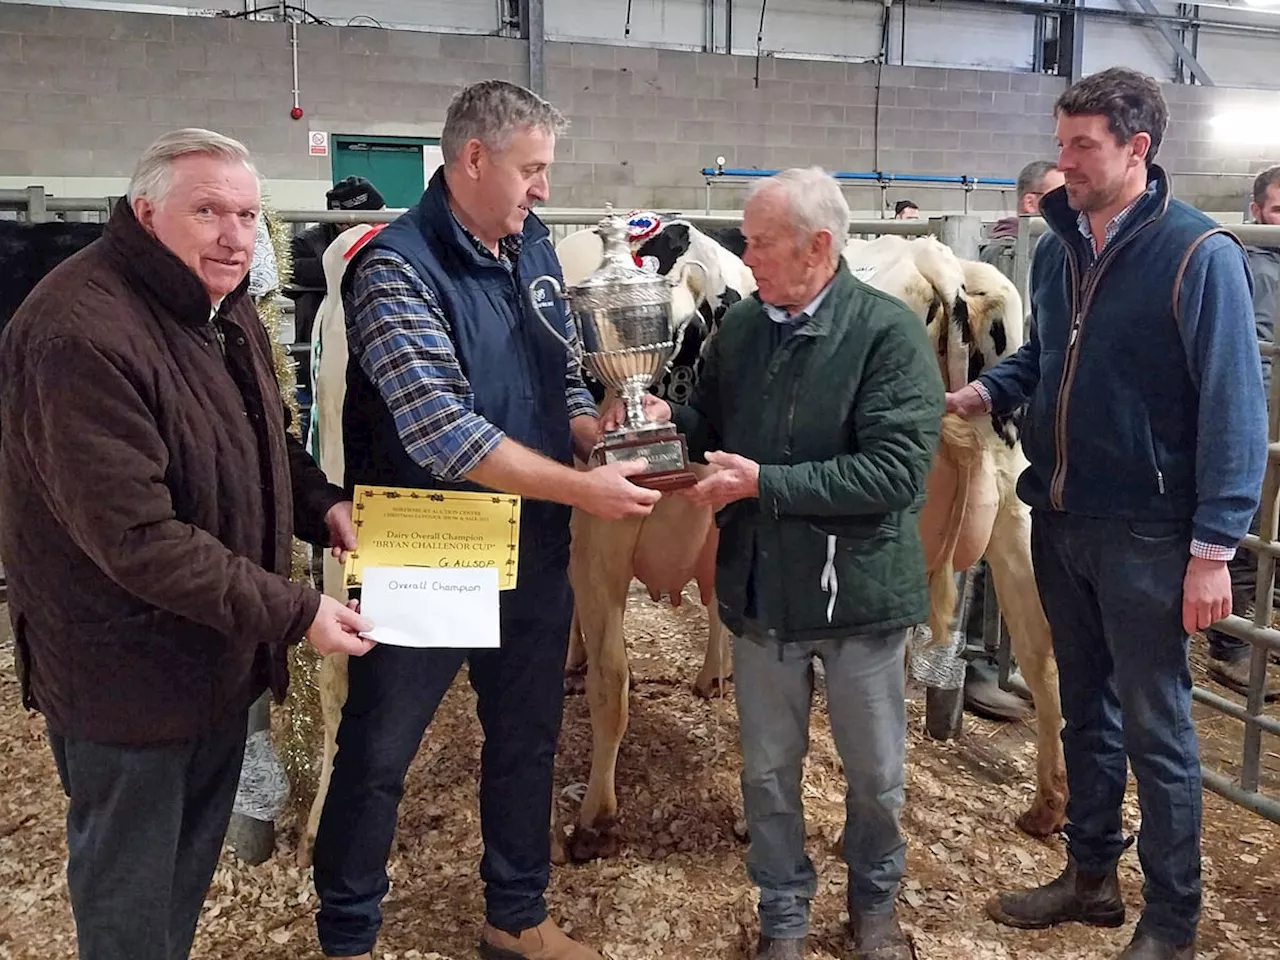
{"x": 1259, "y": 126}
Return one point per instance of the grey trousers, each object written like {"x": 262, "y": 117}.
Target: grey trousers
{"x": 865, "y": 686}
{"x": 144, "y": 829}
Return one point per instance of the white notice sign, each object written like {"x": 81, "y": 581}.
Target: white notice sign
{"x": 431, "y": 606}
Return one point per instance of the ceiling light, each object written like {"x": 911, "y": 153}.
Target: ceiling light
{"x": 1257, "y": 126}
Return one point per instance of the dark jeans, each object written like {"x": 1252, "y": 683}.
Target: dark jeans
{"x": 1112, "y": 591}
{"x": 393, "y": 693}
{"x": 144, "y": 829}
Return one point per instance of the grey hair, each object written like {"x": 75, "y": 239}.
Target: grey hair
{"x": 492, "y": 111}
{"x": 153, "y": 176}
{"x": 815, "y": 202}
{"x": 1032, "y": 176}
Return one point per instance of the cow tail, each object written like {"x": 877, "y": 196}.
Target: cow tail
{"x": 958, "y": 440}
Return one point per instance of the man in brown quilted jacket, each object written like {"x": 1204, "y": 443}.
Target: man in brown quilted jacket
{"x": 149, "y": 491}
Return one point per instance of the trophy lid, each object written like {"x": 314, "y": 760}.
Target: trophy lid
{"x": 618, "y": 281}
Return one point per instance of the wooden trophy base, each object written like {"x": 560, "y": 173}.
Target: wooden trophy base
{"x": 668, "y": 457}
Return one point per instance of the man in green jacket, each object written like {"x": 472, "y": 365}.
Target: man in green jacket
{"x": 819, "y": 403}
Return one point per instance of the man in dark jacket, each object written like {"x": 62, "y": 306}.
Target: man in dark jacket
{"x": 1034, "y": 180}
{"x": 1229, "y": 657}
{"x": 454, "y": 382}
{"x": 307, "y": 283}
{"x": 819, "y": 402}
{"x": 1146, "y": 439}
{"x": 149, "y": 491}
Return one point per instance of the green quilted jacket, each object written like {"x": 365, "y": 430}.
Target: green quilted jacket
{"x": 843, "y": 417}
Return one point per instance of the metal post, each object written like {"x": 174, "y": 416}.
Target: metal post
{"x": 37, "y": 210}
{"x": 253, "y": 840}
{"x": 535, "y": 32}
{"x": 963, "y": 234}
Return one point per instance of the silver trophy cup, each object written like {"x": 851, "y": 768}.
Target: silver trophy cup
{"x": 627, "y": 337}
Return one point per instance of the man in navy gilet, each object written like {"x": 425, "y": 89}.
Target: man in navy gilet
{"x": 1146, "y": 439}
{"x": 454, "y": 383}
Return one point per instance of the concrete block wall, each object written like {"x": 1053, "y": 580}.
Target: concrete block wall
{"x": 82, "y": 92}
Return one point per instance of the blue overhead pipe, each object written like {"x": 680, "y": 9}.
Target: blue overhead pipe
{"x": 872, "y": 177}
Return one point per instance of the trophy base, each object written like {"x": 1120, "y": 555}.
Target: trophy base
{"x": 667, "y": 455}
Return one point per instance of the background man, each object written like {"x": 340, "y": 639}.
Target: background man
{"x": 307, "y": 283}
{"x": 1229, "y": 657}
{"x": 1143, "y": 478}
{"x": 906, "y": 210}
{"x": 440, "y": 291}
{"x": 819, "y": 402}
{"x": 148, "y": 493}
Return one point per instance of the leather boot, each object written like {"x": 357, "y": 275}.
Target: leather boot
{"x": 771, "y": 948}
{"x": 546, "y": 941}
{"x": 1095, "y": 901}
{"x": 1146, "y": 947}
{"x": 877, "y": 936}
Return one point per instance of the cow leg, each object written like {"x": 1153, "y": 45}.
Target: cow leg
{"x": 600, "y": 567}
{"x": 1009, "y": 557}
{"x": 608, "y": 685}
{"x": 717, "y": 669}
{"x": 333, "y": 694}
{"x": 575, "y": 665}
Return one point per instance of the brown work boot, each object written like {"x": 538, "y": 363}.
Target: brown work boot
{"x": 1235, "y": 675}
{"x": 1145, "y": 947}
{"x": 772, "y": 948}
{"x": 877, "y": 936}
{"x": 1095, "y": 901}
{"x": 546, "y": 941}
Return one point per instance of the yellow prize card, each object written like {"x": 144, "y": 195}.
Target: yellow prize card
{"x": 401, "y": 527}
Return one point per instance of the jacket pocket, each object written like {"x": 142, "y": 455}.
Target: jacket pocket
{"x": 1155, "y": 459}
{"x": 876, "y": 526}
{"x": 22, "y": 660}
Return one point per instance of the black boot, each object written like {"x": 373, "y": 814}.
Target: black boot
{"x": 1095, "y": 901}
{"x": 770, "y": 948}
{"x": 877, "y": 936}
{"x": 1145, "y": 947}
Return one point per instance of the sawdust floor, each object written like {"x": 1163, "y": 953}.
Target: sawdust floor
{"x": 679, "y": 889}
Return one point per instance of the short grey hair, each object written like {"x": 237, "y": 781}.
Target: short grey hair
{"x": 1032, "y": 176}
{"x": 815, "y": 202}
{"x": 492, "y": 111}
{"x": 153, "y": 175}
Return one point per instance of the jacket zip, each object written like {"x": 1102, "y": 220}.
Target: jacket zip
{"x": 1082, "y": 301}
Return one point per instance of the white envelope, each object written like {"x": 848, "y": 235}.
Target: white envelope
{"x": 431, "y": 606}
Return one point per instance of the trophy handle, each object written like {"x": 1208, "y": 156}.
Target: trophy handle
{"x": 575, "y": 352}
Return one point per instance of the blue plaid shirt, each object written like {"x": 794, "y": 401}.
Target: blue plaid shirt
{"x": 1113, "y": 226}
{"x": 400, "y": 335}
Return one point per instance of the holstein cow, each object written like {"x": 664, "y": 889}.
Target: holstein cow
{"x": 972, "y": 510}
{"x": 666, "y": 550}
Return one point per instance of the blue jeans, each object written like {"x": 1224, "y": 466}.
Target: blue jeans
{"x": 393, "y": 694}
{"x": 1112, "y": 591}
{"x": 865, "y": 683}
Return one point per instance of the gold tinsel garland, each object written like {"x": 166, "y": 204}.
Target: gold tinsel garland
{"x": 298, "y": 728}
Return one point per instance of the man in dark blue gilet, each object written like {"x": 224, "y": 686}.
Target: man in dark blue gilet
{"x": 455, "y": 383}
{"x": 1146, "y": 439}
